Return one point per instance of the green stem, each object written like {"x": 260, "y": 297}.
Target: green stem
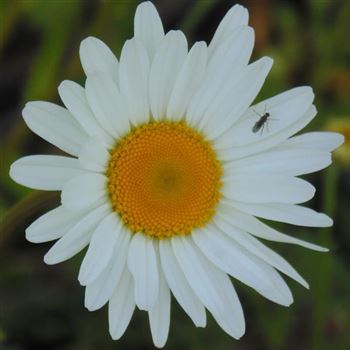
{"x": 323, "y": 278}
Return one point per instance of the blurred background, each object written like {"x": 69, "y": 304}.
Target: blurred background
{"x": 41, "y": 307}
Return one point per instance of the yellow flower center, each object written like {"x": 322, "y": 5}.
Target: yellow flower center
{"x": 164, "y": 179}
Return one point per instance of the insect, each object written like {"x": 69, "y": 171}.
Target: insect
{"x": 260, "y": 124}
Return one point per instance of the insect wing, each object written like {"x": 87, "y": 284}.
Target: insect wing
{"x": 257, "y": 126}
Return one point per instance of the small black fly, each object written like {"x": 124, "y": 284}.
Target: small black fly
{"x": 263, "y": 120}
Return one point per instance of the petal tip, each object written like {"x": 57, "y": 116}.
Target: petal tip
{"x": 339, "y": 139}
{"x": 305, "y": 284}
{"x": 146, "y": 5}
{"x": 12, "y": 171}
{"x": 268, "y": 62}
{"x": 326, "y": 220}
{"x": 30, "y": 236}
{"x": 88, "y": 40}
{"x": 49, "y": 260}
{"x": 63, "y": 85}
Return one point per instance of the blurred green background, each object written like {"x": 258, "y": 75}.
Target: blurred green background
{"x": 41, "y": 307}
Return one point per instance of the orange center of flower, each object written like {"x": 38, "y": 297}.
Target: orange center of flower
{"x": 164, "y": 179}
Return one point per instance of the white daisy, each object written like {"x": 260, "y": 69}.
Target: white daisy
{"x": 168, "y": 174}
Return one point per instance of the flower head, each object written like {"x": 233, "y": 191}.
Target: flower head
{"x": 170, "y": 169}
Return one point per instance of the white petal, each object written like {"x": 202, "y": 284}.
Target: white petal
{"x": 212, "y": 286}
{"x": 77, "y": 238}
{"x": 133, "y": 80}
{"x": 55, "y": 125}
{"x": 142, "y": 263}
{"x": 148, "y": 27}
{"x": 242, "y": 264}
{"x": 235, "y": 97}
{"x": 179, "y": 285}
{"x": 285, "y": 159}
{"x": 188, "y": 80}
{"x": 52, "y": 225}
{"x": 121, "y": 306}
{"x": 96, "y": 56}
{"x": 232, "y": 54}
{"x": 252, "y": 225}
{"x": 100, "y": 291}
{"x": 284, "y": 109}
{"x": 287, "y": 112}
{"x": 164, "y": 70}
{"x": 47, "y": 173}
{"x": 323, "y": 141}
{"x": 107, "y": 104}
{"x": 236, "y": 16}
{"x": 74, "y": 98}
{"x": 159, "y": 314}
{"x": 289, "y": 213}
{"x": 260, "y": 250}
{"x": 232, "y": 320}
{"x": 83, "y": 191}
{"x": 273, "y": 140}
{"x": 100, "y": 250}
{"x": 94, "y": 155}
{"x": 262, "y": 188}
{"x": 194, "y": 266}
{"x": 229, "y": 60}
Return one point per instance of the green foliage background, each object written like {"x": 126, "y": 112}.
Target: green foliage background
{"x": 42, "y": 306}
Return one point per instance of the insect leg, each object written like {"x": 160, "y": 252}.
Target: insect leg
{"x": 255, "y": 112}
{"x": 262, "y": 129}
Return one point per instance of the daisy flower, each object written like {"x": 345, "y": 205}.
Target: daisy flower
{"x": 169, "y": 173}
